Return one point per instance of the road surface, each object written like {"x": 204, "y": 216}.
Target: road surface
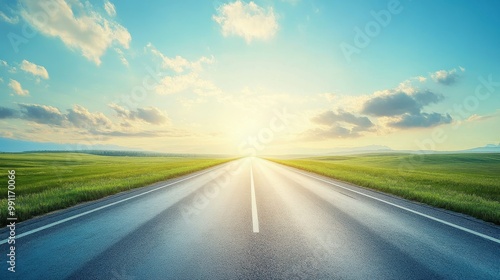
{"x": 253, "y": 219}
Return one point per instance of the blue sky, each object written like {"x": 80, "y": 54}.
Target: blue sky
{"x": 288, "y": 76}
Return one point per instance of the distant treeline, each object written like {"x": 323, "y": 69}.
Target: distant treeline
{"x": 124, "y": 153}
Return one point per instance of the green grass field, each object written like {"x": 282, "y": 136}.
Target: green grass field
{"x": 466, "y": 183}
{"x": 51, "y": 181}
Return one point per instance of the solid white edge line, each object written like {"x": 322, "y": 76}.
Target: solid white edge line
{"x": 255, "y": 217}
{"x": 407, "y": 209}
{"x": 98, "y": 208}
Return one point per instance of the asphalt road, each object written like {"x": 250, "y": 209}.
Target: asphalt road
{"x": 253, "y": 219}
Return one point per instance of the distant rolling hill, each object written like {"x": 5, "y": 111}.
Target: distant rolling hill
{"x": 490, "y": 148}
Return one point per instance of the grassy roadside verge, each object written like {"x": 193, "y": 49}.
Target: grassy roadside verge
{"x": 465, "y": 183}
{"x": 47, "y": 182}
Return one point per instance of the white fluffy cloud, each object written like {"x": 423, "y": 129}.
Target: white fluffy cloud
{"x": 110, "y": 8}
{"x": 184, "y": 74}
{"x": 175, "y": 84}
{"x": 150, "y": 115}
{"x": 77, "y": 25}
{"x": 34, "y": 69}
{"x": 247, "y": 20}
{"x": 421, "y": 79}
{"x": 80, "y": 117}
{"x": 42, "y": 114}
{"x": 191, "y": 81}
{"x": 77, "y": 117}
{"x": 17, "y": 88}
{"x": 11, "y": 20}
{"x": 79, "y": 122}
{"x": 339, "y": 124}
{"x": 122, "y": 57}
{"x": 9, "y": 68}
{"x": 447, "y": 77}
{"x": 178, "y": 63}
